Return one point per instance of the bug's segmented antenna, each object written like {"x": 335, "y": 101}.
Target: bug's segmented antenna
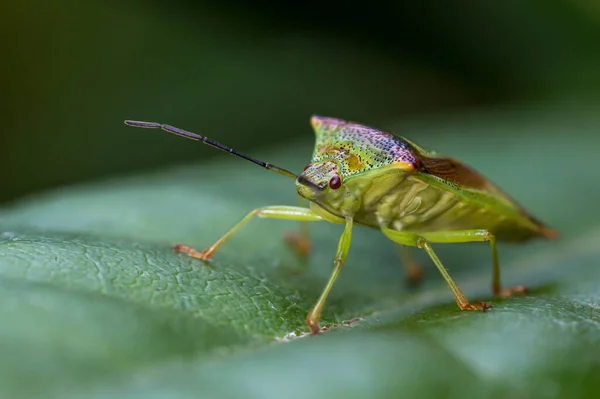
{"x": 210, "y": 142}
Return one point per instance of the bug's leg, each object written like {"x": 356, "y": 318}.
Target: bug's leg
{"x": 414, "y": 272}
{"x": 300, "y": 240}
{"x": 416, "y": 240}
{"x": 278, "y": 212}
{"x": 473, "y": 236}
{"x": 312, "y": 319}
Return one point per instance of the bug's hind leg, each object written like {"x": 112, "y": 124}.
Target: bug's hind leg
{"x": 414, "y": 271}
{"x": 277, "y": 212}
{"x": 496, "y": 285}
{"x": 416, "y": 240}
{"x": 479, "y": 235}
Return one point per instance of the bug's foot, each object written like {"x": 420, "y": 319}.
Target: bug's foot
{"x": 508, "y": 292}
{"x": 414, "y": 276}
{"x": 314, "y": 329}
{"x": 299, "y": 243}
{"x": 204, "y": 255}
{"x": 313, "y": 323}
{"x": 482, "y": 306}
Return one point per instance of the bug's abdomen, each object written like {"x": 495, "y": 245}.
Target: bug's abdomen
{"x": 414, "y": 205}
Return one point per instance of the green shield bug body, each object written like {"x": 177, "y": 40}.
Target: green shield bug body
{"x": 363, "y": 176}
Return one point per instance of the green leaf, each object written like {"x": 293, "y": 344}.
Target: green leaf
{"x": 93, "y": 300}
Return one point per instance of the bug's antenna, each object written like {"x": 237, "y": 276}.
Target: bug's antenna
{"x": 210, "y": 142}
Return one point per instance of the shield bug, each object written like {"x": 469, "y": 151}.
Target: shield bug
{"x": 363, "y": 176}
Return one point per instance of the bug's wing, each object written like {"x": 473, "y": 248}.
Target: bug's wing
{"x": 454, "y": 172}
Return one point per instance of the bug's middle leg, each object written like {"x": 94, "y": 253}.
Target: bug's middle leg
{"x": 419, "y": 241}
{"x": 300, "y": 240}
{"x": 478, "y": 236}
{"x": 278, "y": 212}
{"x": 414, "y": 272}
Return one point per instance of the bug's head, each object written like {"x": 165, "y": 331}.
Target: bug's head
{"x": 320, "y": 180}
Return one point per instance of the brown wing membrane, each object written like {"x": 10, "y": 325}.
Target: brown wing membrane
{"x": 455, "y": 172}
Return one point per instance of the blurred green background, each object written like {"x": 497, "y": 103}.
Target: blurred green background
{"x": 92, "y": 298}
{"x": 250, "y": 73}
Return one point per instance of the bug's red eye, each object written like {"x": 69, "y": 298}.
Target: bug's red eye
{"x": 335, "y": 182}
{"x": 308, "y": 166}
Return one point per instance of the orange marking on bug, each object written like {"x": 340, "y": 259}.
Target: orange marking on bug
{"x": 404, "y": 166}
{"x": 354, "y": 162}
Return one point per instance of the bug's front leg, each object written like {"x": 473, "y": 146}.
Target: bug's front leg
{"x": 340, "y": 258}
{"x": 420, "y": 241}
{"x": 299, "y": 241}
{"x": 481, "y": 236}
{"x": 278, "y": 212}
